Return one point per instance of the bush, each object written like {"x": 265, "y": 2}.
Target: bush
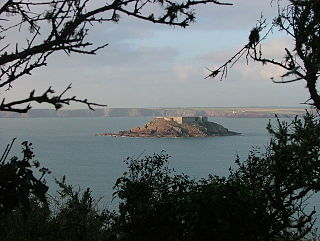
{"x": 72, "y": 216}
{"x": 158, "y": 204}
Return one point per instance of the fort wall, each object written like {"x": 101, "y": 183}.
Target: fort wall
{"x": 186, "y": 119}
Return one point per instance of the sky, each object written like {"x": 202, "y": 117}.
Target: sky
{"x": 149, "y": 65}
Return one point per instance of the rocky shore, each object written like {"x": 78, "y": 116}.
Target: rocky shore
{"x": 159, "y": 127}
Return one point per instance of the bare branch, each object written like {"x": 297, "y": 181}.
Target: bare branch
{"x": 47, "y": 97}
{"x": 285, "y": 81}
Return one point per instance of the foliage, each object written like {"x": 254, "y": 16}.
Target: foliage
{"x": 158, "y": 204}
{"x": 48, "y": 27}
{"x": 286, "y": 175}
{"x": 300, "y": 21}
{"x": 78, "y": 218}
{"x": 150, "y": 198}
{"x": 72, "y": 216}
{"x": 17, "y": 180}
{"x": 263, "y": 199}
{"x": 25, "y": 225}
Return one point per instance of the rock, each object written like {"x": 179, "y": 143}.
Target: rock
{"x": 160, "y": 127}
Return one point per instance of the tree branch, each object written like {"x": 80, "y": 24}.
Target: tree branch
{"x": 56, "y": 100}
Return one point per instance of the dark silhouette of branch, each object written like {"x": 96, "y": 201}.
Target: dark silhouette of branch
{"x": 6, "y": 152}
{"x": 285, "y": 81}
{"x": 47, "y": 97}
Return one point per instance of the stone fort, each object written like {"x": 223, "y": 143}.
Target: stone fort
{"x": 186, "y": 119}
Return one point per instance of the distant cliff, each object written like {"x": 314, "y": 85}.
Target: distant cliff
{"x": 160, "y": 127}
{"x": 138, "y": 112}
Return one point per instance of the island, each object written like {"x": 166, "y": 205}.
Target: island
{"x": 179, "y": 126}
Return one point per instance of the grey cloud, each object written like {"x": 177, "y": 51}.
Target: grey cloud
{"x": 242, "y": 15}
{"x": 115, "y": 55}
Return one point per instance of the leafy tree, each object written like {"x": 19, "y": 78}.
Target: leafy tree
{"x": 150, "y": 196}
{"x": 63, "y": 25}
{"x": 285, "y": 176}
{"x": 300, "y": 21}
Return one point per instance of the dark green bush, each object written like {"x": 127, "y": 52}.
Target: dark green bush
{"x": 72, "y": 216}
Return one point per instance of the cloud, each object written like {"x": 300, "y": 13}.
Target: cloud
{"x": 273, "y": 49}
{"x": 185, "y": 72}
{"x": 241, "y": 15}
{"x": 257, "y": 72}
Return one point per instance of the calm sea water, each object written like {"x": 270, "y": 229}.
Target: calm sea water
{"x": 68, "y": 146}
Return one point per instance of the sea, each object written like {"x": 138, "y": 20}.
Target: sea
{"x": 70, "y": 147}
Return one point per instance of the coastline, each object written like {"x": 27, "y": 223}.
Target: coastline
{"x": 225, "y": 112}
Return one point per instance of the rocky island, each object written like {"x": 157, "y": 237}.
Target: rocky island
{"x": 176, "y": 127}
